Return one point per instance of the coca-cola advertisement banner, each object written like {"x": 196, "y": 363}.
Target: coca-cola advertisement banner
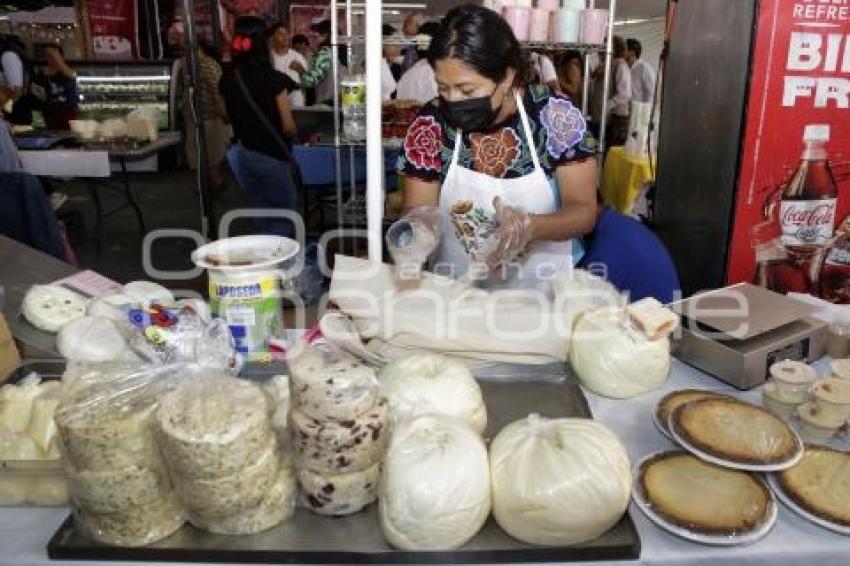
{"x": 113, "y": 24}
{"x": 793, "y": 197}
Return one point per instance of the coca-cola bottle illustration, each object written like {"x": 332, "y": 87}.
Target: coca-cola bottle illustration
{"x": 776, "y": 268}
{"x": 808, "y": 201}
{"x": 834, "y": 279}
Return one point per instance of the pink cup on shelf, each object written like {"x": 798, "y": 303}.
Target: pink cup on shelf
{"x": 594, "y": 26}
{"x": 518, "y": 3}
{"x": 539, "y": 28}
{"x": 520, "y": 21}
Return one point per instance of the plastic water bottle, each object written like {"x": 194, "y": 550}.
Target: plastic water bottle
{"x": 354, "y": 107}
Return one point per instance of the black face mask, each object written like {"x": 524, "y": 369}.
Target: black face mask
{"x": 470, "y": 115}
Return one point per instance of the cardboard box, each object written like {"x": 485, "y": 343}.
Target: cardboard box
{"x": 10, "y": 358}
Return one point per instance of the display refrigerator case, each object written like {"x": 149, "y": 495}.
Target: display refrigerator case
{"x": 113, "y": 89}
{"x": 753, "y": 177}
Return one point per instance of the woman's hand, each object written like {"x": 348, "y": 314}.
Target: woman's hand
{"x": 297, "y": 67}
{"x": 510, "y": 238}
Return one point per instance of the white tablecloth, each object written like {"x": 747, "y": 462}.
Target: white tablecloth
{"x": 24, "y": 532}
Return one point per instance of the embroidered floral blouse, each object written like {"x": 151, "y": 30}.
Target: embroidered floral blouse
{"x": 559, "y": 130}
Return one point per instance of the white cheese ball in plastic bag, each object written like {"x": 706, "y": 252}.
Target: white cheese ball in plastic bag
{"x": 615, "y": 360}
{"x": 435, "y": 484}
{"x": 91, "y": 339}
{"x": 558, "y": 481}
{"x": 430, "y": 383}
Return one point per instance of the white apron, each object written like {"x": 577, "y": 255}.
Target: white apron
{"x": 467, "y": 198}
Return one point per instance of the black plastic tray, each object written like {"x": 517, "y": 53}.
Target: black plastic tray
{"x": 312, "y": 539}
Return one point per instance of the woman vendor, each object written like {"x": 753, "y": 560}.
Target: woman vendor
{"x": 508, "y": 166}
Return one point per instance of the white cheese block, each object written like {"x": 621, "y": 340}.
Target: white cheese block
{"x": 112, "y": 128}
{"x": 276, "y": 507}
{"x": 340, "y": 447}
{"x": 143, "y": 525}
{"x": 91, "y": 339}
{"x": 141, "y": 126}
{"x": 16, "y": 403}
{"x": 232, "y": 494}
{"x": 18, "y": 446}
{"x": 107, "y": 435}
{"x": 148, "y": 292}
{"x": 117, "y": 490}
{"x": 653, "y": 318}
{"x": 42, "y": 427}
{"x": 339, "y": 494}
{"x": 332, "y": 385}
{"x": 50, "y": 307}
{"x": 210, "y": 432}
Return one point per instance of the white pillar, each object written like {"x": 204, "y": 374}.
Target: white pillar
{"x": 374, "y": 147}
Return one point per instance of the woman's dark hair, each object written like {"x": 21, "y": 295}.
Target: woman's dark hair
{"x": 619, "y": 46}
{"x": 479, "y": 38}
{"x": 300, "y": 39}
{"x": 634, "y": 46}
{"x": 250, "y": 45}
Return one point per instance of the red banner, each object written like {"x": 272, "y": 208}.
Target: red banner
{"x": 794, "y": 186}
{"x": 113, "y": 24}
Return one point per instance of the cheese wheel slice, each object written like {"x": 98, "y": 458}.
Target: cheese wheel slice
{"x": 50, "y": 307}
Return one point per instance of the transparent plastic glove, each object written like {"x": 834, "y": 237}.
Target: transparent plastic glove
{"x": 412, "y": 239}
{"x": 509, "y": 239}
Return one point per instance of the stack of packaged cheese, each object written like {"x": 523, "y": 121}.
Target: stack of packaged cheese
{"x": 118, "y": 484}
{"x": 217, "y": 437}
{"x": 339, "y": 430}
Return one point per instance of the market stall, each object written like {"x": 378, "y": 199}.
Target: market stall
{"x": 427, "y": 416}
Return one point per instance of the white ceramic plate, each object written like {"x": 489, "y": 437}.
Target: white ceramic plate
{"x": 743, "y": 466}
{"x": 679, "y": 531}
{"x": 776, "y": 486}
{"x": 661, "y": 428}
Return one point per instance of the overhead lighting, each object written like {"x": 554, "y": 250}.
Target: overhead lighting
{"x": 638, "y": 21}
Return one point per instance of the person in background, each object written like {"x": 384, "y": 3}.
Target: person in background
{"x": 318, "y": 75}
{"x": 418, "y": 83}
{"x": 14, "y": 81}
{"x": 217, "y": 132}
{"x": 544, "y": 71}
{"x": 411, "y": 28}
{"x": 282, "y": 57}
{"x": 643, "y": 75}
{"x": 507, "y": 164}
{"x": 391, "y": 52}
{"x": 570, "y": 76}
{"x": 301, "y": 44}
{"x": 619, "y": 95}
{"x": 60, "y": 83}
{"x": 256, "y": 97}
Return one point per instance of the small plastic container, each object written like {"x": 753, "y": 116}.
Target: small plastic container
{"x": 793, "y": 380}
{"x": 39, "y": 483}
{"x": 815, "y": 428}
{"x": 539, "y": 27}
{"x": 776, "y": 404}
{"x": 519, "y": 19}
{"x": 840, "y": 368}
{"x": 838, "y": 340}
{"x": 568, "y": 25}
{"x": 832, "y": 397}
{"x": 594, "y": 26}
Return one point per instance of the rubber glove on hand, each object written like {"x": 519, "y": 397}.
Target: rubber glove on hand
{"x": 510, "y": 238}
{"x": 412, "y": 239}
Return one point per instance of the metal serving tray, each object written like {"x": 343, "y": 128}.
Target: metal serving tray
{"x": 309, "y": 538}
